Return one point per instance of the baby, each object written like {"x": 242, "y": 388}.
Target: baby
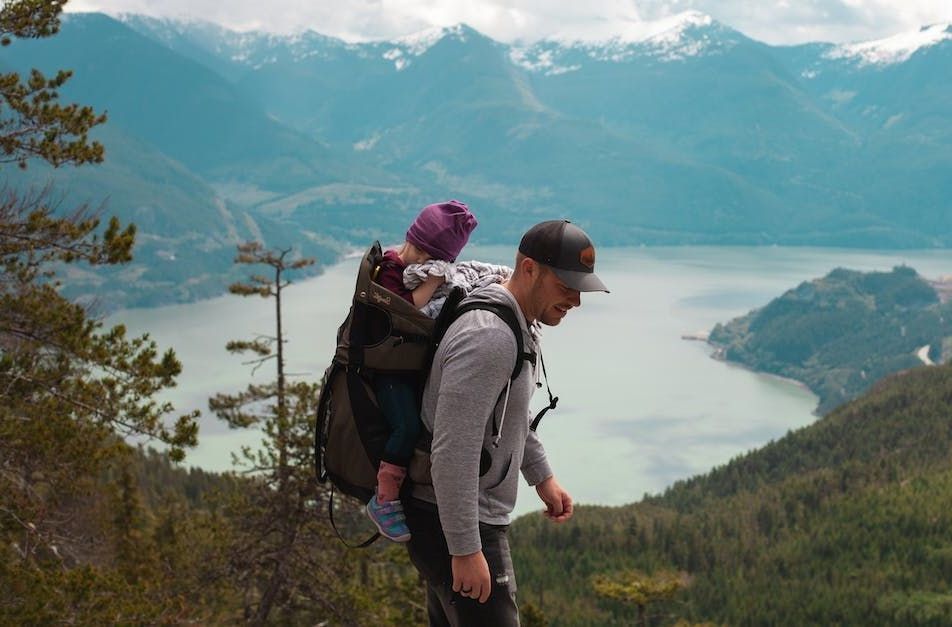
{"x": 438, "y": 233}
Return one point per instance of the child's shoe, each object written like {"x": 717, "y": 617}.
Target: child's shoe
{"x": 389, "y": 518}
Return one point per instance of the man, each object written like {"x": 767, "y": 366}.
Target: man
{"x": 479, "y": 419}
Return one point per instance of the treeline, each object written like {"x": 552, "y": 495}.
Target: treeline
{"x": 842, "y": 333}
{"x": 847, "y": 521}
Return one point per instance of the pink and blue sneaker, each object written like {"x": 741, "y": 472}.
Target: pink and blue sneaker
{"x": 389, "y": 518}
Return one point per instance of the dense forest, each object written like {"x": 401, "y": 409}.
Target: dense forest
{"x": 842, "y": 333}
{"x": 847, "y": 521}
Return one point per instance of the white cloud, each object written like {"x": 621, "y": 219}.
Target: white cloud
{"x": 773, "y": 21}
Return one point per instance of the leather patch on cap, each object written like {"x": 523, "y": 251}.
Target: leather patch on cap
{"x": 587, "y": 257}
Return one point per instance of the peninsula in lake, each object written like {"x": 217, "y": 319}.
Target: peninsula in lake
{"x": 842, "y": 333}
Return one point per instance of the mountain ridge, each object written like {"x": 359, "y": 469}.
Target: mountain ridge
{"x": 636, "y": 31}
{"x": 729, "y": 141}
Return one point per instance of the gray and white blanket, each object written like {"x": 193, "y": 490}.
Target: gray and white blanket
{"x": 466, "y": 274}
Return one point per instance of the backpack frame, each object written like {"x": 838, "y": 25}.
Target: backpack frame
{"x": 384, "y": 333}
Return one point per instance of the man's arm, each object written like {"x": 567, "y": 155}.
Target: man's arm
{"x": 538, "y": 473}
{"x": 535, "y": 467}
{"x": 474, "y": 364}
{"x": 476, "y": 361}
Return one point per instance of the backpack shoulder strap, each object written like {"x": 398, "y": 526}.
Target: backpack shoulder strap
{"x": 452, "y": 310}
{"x": 507, "y": 315}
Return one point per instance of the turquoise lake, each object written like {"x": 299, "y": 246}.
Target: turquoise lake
{"x": 640, "y": 407}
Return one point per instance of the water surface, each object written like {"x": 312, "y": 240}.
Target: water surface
{"x": 640, "y": 407}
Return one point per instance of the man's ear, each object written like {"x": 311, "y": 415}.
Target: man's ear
{"x": 529, "y": 266}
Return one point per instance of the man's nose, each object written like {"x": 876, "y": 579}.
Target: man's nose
{"x": 576, "y": 298}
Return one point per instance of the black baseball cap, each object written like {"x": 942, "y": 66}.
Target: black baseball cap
{"x": 565, "y": 249}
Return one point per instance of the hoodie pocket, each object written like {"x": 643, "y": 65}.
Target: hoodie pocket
{"x": 504, "y": 474}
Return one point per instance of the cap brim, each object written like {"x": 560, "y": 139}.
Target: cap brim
{"x": 581, "y": 281}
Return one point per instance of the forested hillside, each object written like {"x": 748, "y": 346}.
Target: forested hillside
{"x": 847, "y": 521}
{"x": 841, "y": 333}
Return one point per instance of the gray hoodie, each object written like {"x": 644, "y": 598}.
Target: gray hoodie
{"x": 462, "y": 396}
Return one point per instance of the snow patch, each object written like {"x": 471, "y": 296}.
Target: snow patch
{"x": 892, "y": 50}
{"x": 404, "y": 48}
{"x": 542, "y": 61}
{"x": 675, "y": 38}
{"x": 673, "y": 29}
{"x": 396, "y": 55}
{"x": 666, "y": 30}
{"x": 367, "y": 144}
{"x": 893, "y": 119}
{"x": 418, "y": 43}
{"x": 841, "y": 96}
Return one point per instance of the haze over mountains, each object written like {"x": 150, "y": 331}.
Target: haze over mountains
{"x": 695, "y": 134}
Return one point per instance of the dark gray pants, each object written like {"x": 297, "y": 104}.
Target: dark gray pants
{"x": 428, "y": 552}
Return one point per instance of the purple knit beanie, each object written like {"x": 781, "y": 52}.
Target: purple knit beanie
{"x": 442, "y": 229}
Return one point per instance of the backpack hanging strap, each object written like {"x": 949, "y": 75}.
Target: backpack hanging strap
{"x": 330, "y": 514}
{"x": 553, "y": 401}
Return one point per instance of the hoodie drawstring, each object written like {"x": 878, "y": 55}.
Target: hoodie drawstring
{"x": 497, "y": 431}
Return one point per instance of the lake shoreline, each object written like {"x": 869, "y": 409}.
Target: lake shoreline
{"x": 638, "y": 401}
{"x": 718, "y": 353}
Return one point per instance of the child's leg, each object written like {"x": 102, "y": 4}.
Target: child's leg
{"x": 389, "y": 480}
{"x": 397, "y": 397}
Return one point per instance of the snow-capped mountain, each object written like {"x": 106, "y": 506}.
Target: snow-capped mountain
{"x": 678, "y": 38}
{"x": 682, "y": 130}
{"x": 892, "y": 50}
{"x": 214, "y": 45}
{"x": 403, "y": 50}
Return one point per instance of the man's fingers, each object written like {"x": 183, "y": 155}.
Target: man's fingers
{"x": 457, "y": 583}
{"x": 484, "y": 595}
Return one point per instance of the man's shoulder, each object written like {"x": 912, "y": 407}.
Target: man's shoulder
{"x": 482, "y": 330}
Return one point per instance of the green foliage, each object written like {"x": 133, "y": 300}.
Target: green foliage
{"x": 842, "y": 333}
{"x": 531, "y": 616}
{"x": 32, "y": 121}
{"x": 292, "y": 569}
{"x": 72, "y": 548}
{"x": 846, "y": 521}
{"x": 639, "y": 590}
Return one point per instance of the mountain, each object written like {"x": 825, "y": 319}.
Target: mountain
{"x": 707, "y": 135}
{"x": 191, "y": 114}
{"x": 842, "y": 333}
{"x": 681, "y": 131}
{"x": 846, "y": 521}
{"x": 178, "y": 138}
{"x": 186, "y": 231}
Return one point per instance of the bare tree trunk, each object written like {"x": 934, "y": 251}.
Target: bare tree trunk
{"x": 279, "y": 576}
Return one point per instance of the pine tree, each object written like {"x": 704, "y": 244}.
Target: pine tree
{"x": 32, "y": 121}
{"x": 290, "y": 567}
{"x": 639, "y": 590}
{"x": 69, "y": 389}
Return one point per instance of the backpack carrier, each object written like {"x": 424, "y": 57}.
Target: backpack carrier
{"x": 384, "y": 333}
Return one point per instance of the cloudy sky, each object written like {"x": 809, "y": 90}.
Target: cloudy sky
{"x": 772, "y": 21}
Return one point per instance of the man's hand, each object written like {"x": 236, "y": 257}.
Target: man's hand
{"x": 471, "y": 576}
{"x": 558, "y": 503}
